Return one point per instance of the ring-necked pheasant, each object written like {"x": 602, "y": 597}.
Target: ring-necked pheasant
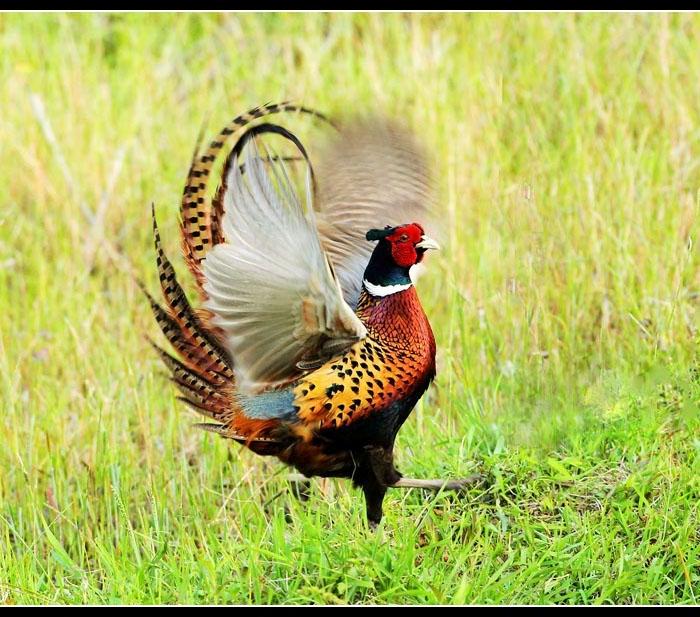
{"x": 312, "y": 345}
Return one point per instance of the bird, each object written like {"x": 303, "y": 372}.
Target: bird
{"x": 310, "y": 343}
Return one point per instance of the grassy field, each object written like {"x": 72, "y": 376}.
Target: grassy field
{"x": 565, "y": 306}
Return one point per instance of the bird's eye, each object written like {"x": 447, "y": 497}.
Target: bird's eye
{"x": 403, "y": 238}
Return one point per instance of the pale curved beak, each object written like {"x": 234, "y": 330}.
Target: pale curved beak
{"x": 427, "y": 243}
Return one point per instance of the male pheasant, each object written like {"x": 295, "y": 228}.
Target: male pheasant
{"x": 312, "y": 345}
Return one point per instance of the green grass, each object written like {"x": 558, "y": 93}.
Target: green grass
{"x": 565, "y": 308}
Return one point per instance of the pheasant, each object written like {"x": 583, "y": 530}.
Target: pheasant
{"x": 311, "y": 344}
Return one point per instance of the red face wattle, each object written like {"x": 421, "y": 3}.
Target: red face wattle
{"x": 403, "y": 244}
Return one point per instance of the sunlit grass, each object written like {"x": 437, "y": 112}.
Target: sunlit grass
{"x": 566, "y": 152}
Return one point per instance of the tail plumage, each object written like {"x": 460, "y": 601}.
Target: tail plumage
{"x": 204, "y": 373}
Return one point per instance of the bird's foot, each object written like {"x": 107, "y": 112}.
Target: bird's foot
{"x": 438, "y": 485}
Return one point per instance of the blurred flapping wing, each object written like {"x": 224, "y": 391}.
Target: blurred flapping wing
{"x": 271, "y": 286}
{"x": 372, "y": 174}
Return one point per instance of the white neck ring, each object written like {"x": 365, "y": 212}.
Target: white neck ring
{"x": 384, "y": 290}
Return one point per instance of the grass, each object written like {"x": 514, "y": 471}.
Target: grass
{"x": 565, "y": 308}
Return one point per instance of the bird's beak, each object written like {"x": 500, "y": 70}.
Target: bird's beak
{"x": 427, "y": 243}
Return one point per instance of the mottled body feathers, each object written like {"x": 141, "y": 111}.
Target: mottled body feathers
{"x": 364, "y": 396}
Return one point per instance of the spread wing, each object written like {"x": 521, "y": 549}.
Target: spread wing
{"x": 271, "y": 286}
{"x": 372, "y": 174}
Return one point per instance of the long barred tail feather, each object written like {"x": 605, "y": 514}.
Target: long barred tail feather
{"x": 184, "y": 347}
{"x": 206, "y": 393}
{"x": 209, "y": 353}
{"x": 264, "y": 446}
{"x": 200, "y": 220}
{"x": 275, "y": 129}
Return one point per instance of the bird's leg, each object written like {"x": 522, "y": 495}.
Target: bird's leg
{"x": 381, "y": 461}
{"x": 374, "y": 497}
{"x": 379, "y": 475}
{"x": 437, "y": 485}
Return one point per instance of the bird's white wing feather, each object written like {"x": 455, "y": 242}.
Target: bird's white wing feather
{"x": 271, "y": 286}
{"x": 372, "y": 174}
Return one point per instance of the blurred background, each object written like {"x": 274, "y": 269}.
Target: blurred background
{"x": 565, "y": 149}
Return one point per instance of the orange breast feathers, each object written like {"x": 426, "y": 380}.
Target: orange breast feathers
{"x": 387, "y": 365}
